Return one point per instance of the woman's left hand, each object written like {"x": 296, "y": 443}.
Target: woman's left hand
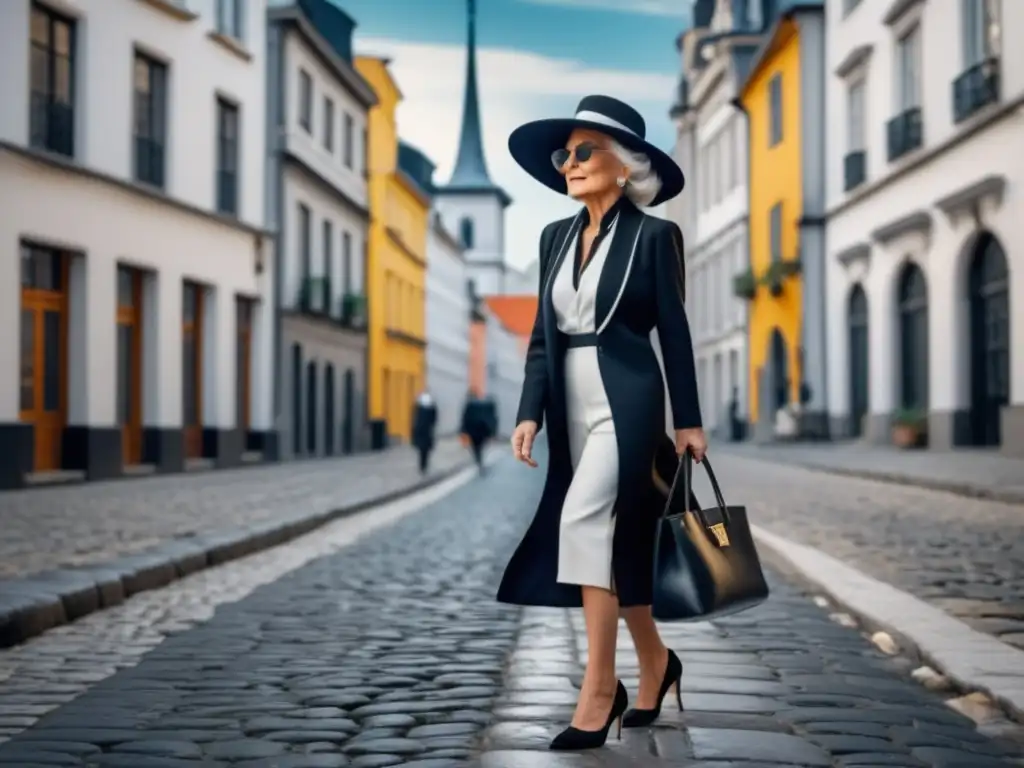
{"x": 694, "y": 440}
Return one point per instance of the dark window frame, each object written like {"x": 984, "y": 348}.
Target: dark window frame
{"x": 306, "y": 101}
{"x": 775, "y": 232}
{"x": 467, "y": 232}
{"x": 327, "y": 235}
{"x": 349, "y": 138}
{"x": 231, "y": 19}
{"x": 305, "y": 240}
{"x": 52, "y": 114}
{"x": 775, "y": 127}
{"x": 149, "y": 119}
{"x": 346, "y": 262}
{"x": 329, "y": 124}
{"x": 229, "y": 123}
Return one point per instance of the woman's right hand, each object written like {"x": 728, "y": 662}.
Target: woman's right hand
{"x": 522, "y": 442}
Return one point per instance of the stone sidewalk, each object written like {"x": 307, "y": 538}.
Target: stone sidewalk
{"x": 979, "y": 473}
{"x": 68, "y": 551}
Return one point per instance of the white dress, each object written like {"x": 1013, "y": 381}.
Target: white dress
{"x": 587, "y": 526}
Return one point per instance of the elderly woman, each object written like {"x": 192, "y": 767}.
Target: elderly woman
{"x": 610, "y": 275}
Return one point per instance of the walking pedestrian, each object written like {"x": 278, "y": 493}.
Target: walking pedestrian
{"x": 608, "y": 276}
{"x": 476, "y": 427}
{"x": 423, "y": 422}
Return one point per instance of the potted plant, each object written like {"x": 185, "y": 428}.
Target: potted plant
{"x": 773, "y": 277}
{"x": 909, "y": 428}
{"x": 791, "y": 267}
{"x": 744, "y": 285}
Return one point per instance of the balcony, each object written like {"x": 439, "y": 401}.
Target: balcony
{"x": 904, "y": 133}
{"x": 315, "y": 296}
{"x": 353, "y": 311}
{"x": 52, "y": 125}
{"x": 854, "y": 170}
{"x": 975, "y": 89}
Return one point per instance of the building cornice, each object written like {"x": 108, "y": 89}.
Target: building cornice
{"x": 329, "y": 186}
{"x": 854, "y": 253}
{"x": 343, "y": 71}
{"x": 915, "y": 222}
{"x": 439, "y": 229}
{"x": 856, "y": 58}
{"x": 396, "y": 237}
{"x": 62, "y": 163}
{"x": 968, "y": 198}
{"x": 897, "y": 10}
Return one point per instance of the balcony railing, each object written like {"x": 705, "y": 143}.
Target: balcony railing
{"x": 975, "y": 89}
{"x": 854, "y": 170}
{"x": 315, "y": 296}
{"x": 904, "y": 133}
{"x": 149, "y": 161}
{"x": 52, "y": 125}
{"x": 353, "y": 310}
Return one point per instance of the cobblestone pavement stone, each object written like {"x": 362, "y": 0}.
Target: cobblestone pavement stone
{"x": 983, "y": 473}
{"x": 47, "y": 528}
{"x": 965, "y": 556}
{"x": 781, "y": 685}
{"x": 376, "y": 642}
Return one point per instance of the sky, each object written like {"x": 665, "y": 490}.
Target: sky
{"x": 536, "y": 59}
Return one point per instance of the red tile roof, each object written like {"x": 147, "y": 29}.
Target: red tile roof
{"x": 516, "y": 313}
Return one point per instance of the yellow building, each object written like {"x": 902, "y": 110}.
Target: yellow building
{"x": 396, "y": 266}
{"x": 783, "y": 97}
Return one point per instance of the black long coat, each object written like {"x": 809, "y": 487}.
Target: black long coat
{"x": 641, "y": 287}
{"x": 423, "y": 421}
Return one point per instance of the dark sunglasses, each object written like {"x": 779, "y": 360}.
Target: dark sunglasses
{"x": 583, "y": 151}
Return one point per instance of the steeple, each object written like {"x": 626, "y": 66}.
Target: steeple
{"x": 470, "y": 165}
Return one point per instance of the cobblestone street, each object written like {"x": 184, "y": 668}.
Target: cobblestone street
{"x": 963, "y": 555}
{"x": 375, "y": 641}
{"x": 46, "y": 528}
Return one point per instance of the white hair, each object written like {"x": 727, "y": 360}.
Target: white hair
{"x": 643, "y": 183}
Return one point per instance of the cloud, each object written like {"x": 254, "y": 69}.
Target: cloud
{"x": 651, "y": 7}
{"x": 515, "y": 87}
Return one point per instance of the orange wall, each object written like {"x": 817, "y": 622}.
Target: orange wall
{"x": 478, "y": 358}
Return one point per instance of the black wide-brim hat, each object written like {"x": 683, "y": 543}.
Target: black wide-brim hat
{"x": 531, "y": 144}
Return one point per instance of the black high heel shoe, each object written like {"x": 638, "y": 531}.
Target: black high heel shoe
{"x": 641, "y": 718}
{"x": 574, "y": 738}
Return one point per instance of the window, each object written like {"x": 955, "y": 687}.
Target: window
{"x": 150, "y": 119}
{"x": 328, "y": 246}
{"x": 229, "y": 18}
{"x": 306, "y": 100}
{"x": 227, "y": 157}
{"x": 346, "y": 262}
{"x": 52, "y": 100}
{"x": 980, "y": 29}
{"x": 775, "y": 232}
{"x": 855, "y": 117}
{"x": 775, "y": 110}
{"x": 304, "y": 241}
{"x": 466, "y": 232}
{"x": 328, "y": 125}
{"x": 348, "y": 139}
{"x": 908, "y": 69}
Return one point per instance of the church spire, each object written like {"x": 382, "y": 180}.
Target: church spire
{"x": 470, "y": 165}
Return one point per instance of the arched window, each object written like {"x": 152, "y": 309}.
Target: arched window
{"x": 913, "y": 347}
{"x": 466, "y": 232}
{"x": 989, "y": 292}
{"x": 857, "y": 326}
{"x": 311, "y": 408}
{"x": 297, "y": 399}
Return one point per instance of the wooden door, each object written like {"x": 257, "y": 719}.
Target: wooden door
{"x": 44, "y": 277}
{"x": 192, "y": 369}
{"x": 129, "y": 363}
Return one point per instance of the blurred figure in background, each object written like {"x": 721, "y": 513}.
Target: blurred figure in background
{"x": 476, "y": 427}
{"x": 423, "y": 422}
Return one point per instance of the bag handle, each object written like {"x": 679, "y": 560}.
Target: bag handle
{"x": 685, "y": 470}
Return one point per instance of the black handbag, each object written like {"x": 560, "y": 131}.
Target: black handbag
{"x": 705, "y": 562}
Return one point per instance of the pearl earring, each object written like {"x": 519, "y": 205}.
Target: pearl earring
{"x": 621, "y": 181}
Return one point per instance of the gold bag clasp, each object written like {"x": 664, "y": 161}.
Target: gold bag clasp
{"x": 721, "y": 535}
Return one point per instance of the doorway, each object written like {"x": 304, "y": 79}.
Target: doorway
{"x": 989, "y": 286}
{"x": 243, "y": 363}
{"x": 779, "y": 358}
{"x": 347, "y": 424}
{"x": 43, "y": 378}
{"x": 129, "y": 363}
{"x": 192, "y": 308}
{"x": 913, "y": 322}
{"x": 329, "y": 426}
{"x": 857, "y": 328}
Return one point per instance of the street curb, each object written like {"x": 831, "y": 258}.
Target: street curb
{"x": 974, "y": 661}
{"x": 893, "y": 478}
{"x": 35, "y": 604}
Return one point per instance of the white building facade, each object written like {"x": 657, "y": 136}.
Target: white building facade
{"x": 317, "y": 202}
{"x": 925, "y": 276}
{"x": 505, "y": 363}
{"x": 448, "y": 314}
{"x": 134, "y": 258}
{"x": 712, "y": 148}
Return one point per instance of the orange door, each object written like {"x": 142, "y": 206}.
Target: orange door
{"x": 129, "y": 363}
{"x": 44, "y": 351}
{"x": 192, "y": 369}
